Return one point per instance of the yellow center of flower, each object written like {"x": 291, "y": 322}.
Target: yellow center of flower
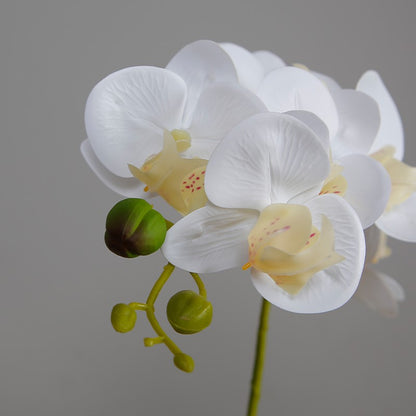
{"x": 301, "y": 66}
{"x": 402, "y": 176}
{"x": 335, "y": 183}
{"x": 179, "y": 181}
{"x": 182, "y": 139}
{"x": 285, "y": 245}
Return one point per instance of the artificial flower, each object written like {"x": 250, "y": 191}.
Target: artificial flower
{"x": 351, "y": 118}
{"x": 196, "y": 99}
{"x": 306, "y": 252}
{"x": 377, "y": 290}
{"x": 398, "y": 220}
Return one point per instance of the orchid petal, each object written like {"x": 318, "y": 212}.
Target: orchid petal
{"x": 200, "y": 64}
{"x": 330, "y": 288}
{"x": 368, "y": 188}
{"x": 359, "y": 121}
{"x": 128, "y": 187}
{"x": 210, "y": 239}
{"x": 315, "y": 124}
{"x": 268, "y": 158}
{"x": 380, "y": 292}
{"x": 219, "y": 109}
{"x": 330, "y": 83}
{"x": 400, "y": 222}
{"x": 249, "y": 69}
{"x": 269, "y": 61}
{"x": 291, "y": 88}
{"x": 127, "y": 111}
{"x": 391, "y": 129}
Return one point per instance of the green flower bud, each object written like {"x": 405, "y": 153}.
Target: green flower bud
{"x": 133, "y": 228}
{"x": 123, "y": 318}
{"x": 188, "y": 312}
{"x": 184, "y": 362}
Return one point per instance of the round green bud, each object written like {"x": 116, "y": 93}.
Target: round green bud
{"x": 123, "y": 317}
{"x": 184, "y": 362}
{"x": 134, "y": 229}
{"x": 188, "y": 312}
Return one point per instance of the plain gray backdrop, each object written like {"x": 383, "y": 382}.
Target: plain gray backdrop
{"x": 58, "y": 283}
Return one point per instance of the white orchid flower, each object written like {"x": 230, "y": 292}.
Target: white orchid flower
{"x": 306, "y": 252}
{"x": 398, "y": 220}
{"x": 377, "y": 290}
{"x": 251, "y": 67}
{"x": 135, "y": 117}
{"x": 351, "y": 118}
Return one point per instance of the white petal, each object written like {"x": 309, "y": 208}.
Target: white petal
{"x": 380, "y": 292}
{"x": 126, "y": 113}
{"x": 268, "y": 60}
{"x": 210, "y": 239}
{"x": 359, "y": 121}
{"x": 334, "y": 286}
{"x": 219, "y": 109}
{"x": 249, "y": 69}
{"x": 200, "y": 64}
{"x": 368, "y": 189}
{"x": 400, "y": 222}
{"x": 315, "y": 124}
{"x": 291, "y": 88}
{"x": 391, "y": 129}
{"x": 128, "y": 187}
{"x": 331, "y": 84}
{"x": 268, "y": 158}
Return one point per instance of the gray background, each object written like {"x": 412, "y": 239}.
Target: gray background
{"x": 59, "y": 354}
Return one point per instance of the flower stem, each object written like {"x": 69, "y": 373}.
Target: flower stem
{"x": 167, "y": 271}
{"x": 259, "y": 359}
{"x": 200, "y": 284}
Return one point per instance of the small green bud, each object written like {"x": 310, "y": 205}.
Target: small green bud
{"x": 123, "y": 317}
{"x": 133, "y": 228}
{"x": 184, "y": 362}
{"x": 188, "y": 312}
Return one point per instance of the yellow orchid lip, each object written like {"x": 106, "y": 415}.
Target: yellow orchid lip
{"x": 285, "y": 245}
{"x": 177, "y": 180}
{"x": 402, "y": 176}
{"x": 335, "y": 182}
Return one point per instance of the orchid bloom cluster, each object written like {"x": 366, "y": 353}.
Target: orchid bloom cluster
{"x": 274, "y": 168}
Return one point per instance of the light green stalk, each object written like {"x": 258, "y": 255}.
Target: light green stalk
{"x": 259, "y": 359}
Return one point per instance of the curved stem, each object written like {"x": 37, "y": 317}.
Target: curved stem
{"x": 167, "y": 271}
{"x": 259, "y": 359}
{"x": 200, "y": 284}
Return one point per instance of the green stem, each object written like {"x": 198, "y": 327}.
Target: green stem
{"x": 259, "y": 360}
{"x": 167, "y": 271}
{"x": 199, "y": 283}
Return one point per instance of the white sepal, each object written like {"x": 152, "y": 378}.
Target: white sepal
{"x": 359, "y": 121}
{"x": 391, "y": 129}
{"x": 201, "y": 64}
{"x": 290, "y": 88}
{"x": 219, "y": 108}
{"x": 249, "y": 69}
{"x": 269, "y": 61}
